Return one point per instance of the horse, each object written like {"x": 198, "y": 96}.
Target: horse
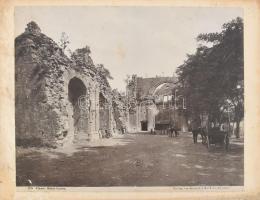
{"x": 202, "y": 132}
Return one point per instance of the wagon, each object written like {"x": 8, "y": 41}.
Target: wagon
{"x": 217, "y": 137}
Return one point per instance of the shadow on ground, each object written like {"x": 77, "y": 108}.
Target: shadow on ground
{"x": 132, "y": 160}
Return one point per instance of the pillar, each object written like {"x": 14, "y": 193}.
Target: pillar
{"x": 150, "y": 118}
{"x": 93, "y": 117}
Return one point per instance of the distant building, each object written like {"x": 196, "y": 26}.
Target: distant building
{"x": 154, "y": 104}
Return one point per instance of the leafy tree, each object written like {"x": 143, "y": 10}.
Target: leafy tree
{"x": 213, "y": 75}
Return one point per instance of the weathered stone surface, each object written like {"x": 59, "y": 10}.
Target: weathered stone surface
{"x": 120, "y": 111}
{"x": 46, "y": 107}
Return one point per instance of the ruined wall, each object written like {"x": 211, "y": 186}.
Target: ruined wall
{"x": 120, "y": 111}
{"x": 153, "y": 115}
{"x": 48, "y": 87}
{"x": 133, "y": 124}
{"x": 146, "y": 86}
{"x": 36, "y": 58}
{"x": 104, "y": 113}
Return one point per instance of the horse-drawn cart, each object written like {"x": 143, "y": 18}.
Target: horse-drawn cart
{"x": 218, "y": 137}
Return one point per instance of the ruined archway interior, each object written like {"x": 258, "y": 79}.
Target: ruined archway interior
{"x": 166, "y": 116}
{"x": 103, "y": 113}
{"x": 80, "y": 111}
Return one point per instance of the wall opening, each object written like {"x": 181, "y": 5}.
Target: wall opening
{"x": 144, "y": 125}
{"x": 103, "y": 113}
{"x": 80, "y": 109}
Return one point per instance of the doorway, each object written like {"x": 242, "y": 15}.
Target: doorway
{"x": 144, "y": 125}
{"x": 79, "y": 116}
{"x": 103, "y": 113}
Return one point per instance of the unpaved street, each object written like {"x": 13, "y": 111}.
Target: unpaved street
{"x": 133, "y": 160}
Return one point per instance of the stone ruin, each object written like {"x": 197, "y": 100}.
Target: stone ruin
{"x": 60, "y": 100}
{"x": 148, "y": 110}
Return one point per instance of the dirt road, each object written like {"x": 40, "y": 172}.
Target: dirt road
{"x": 133, "y": 160}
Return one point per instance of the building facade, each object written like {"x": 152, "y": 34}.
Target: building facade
{"x": 155, "y": 104}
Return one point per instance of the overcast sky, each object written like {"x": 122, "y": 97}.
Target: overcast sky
{"x": 146, "y": 41}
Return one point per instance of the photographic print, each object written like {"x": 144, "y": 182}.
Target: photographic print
{"x": 114, "y": 96}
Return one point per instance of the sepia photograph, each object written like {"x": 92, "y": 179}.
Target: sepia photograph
{"x": 129, "y": 96}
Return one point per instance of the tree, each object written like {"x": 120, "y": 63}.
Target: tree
{"x": 211, "y": 76}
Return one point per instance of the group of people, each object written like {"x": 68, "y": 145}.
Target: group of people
{"x": 104, "y": 133}
{"x": 172, "y": 131}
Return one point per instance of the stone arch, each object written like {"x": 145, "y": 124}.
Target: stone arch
{"x": 79, "y": 112}
{"x": 76, "y": 89}
{"x": 162, "y": 92}
{"x": 158, "y": 87}
{"x": 160, "y": 82}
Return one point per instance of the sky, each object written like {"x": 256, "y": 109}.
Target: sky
{"x": 146, "y": 41}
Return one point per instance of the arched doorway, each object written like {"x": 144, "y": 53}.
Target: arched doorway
{"x": 144, "y": 125}
{"x": 103, "y": 113}
{"x": 77, "y": 94}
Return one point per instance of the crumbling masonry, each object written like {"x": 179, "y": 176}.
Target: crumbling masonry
{"x": 58, "y": 100}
